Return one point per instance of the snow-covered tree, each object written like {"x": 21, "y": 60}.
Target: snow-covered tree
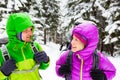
{"x": 105, "y": 13}
{"x": 53, "y": 19}
{"x": 50, "y": 15}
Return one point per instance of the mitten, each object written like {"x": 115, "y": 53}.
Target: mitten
{"x": 8, "y": 66}
{"x": 64, "y": 69}
{"x": 41, "y": 57}
{"x": 97, "y": 74}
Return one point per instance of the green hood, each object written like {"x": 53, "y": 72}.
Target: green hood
{"x": 17, "y": 22}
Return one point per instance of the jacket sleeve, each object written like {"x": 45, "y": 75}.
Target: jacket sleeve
{"x": 2, "y": 76}
{"x": 38, "y": 46}
{"x": 43, "y": 65}
{"x": 61, "y": 60}
{"x": 107, "y": 67}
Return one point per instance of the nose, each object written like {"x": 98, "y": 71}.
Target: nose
{"x": 73, "y": 41}
{"x": 30, "y": 33}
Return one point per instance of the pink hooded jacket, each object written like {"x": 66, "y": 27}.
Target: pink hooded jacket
{"x": 82, "y": 60}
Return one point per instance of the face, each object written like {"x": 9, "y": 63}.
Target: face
{"x": 76, "y": 44}
{"x": 26, "y": 34}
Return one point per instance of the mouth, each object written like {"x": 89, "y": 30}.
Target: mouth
{"x": 73, "y": 47}
{"x": 28, "y": 37}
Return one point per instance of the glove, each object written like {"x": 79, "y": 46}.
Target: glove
{"x": 8, "y": 66}
{"x": 41, "y": 57}
{"x": 97, "y": 74}
{"x": 64, "y": 69}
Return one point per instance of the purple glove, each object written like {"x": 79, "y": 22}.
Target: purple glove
{"x": 41, "y": 57}
{"x": 8, "y": 66}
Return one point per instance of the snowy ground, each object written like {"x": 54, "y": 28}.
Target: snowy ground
{"x": 116, "y": 62}
{"x": 54, "y": 53}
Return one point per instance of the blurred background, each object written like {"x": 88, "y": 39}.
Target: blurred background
{"x": 54, "y": 19}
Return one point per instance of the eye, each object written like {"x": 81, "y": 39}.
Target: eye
{"x": 76, "y": 39}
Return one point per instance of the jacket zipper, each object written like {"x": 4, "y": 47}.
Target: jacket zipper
{"x": 81, "y": 66}
{"x": 23, "y": 53}
{"x": 25, "y": 43}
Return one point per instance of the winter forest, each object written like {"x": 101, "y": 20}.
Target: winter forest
{"x": 54, "y": 19}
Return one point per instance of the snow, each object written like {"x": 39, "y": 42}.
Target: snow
{"x": 53, "y": 52}
{"x": 3, "y": 34}
{"x": 116, "y": 62}
{"x": 114, "y": 39}
{"x": 53, "y": 49}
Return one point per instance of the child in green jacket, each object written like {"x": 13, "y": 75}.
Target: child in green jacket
{"x": 24, "y": 63}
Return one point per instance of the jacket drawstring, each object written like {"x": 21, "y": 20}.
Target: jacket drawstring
{"x": 81, "y": 66}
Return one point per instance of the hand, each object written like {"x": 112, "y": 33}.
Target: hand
{"x": 64, "y": 69}
{"x": 97, "y": 74}
{"x": 8, "y": 66}
{"x": 41, "y": 57}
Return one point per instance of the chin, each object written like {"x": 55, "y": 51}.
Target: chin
{"x": 73, "y": 50}
{"x": 28, "y": 41}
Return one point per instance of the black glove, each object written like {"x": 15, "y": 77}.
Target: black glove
{"x": 64, "y": 69}
{"x": 97, "y": 74}
{"x": 8, "y": 66}
{"x": 41, "y": 57}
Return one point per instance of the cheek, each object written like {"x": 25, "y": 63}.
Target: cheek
{"x": 81, "y": 47}
{"x": 23, "y": 36}
{"x": 73, "y": 42}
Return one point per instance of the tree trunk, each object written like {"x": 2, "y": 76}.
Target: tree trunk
{"x": 44, "y": 36}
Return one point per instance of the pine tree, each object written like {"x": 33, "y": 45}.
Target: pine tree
{"x": 105, "y": 14}
{"x": 50, "y": 15}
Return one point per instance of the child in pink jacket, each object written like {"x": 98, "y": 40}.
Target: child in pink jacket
{"x": 85, "y": 38}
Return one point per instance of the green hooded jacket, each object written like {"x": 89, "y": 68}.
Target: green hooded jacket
{"x": 20, "y": 51}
